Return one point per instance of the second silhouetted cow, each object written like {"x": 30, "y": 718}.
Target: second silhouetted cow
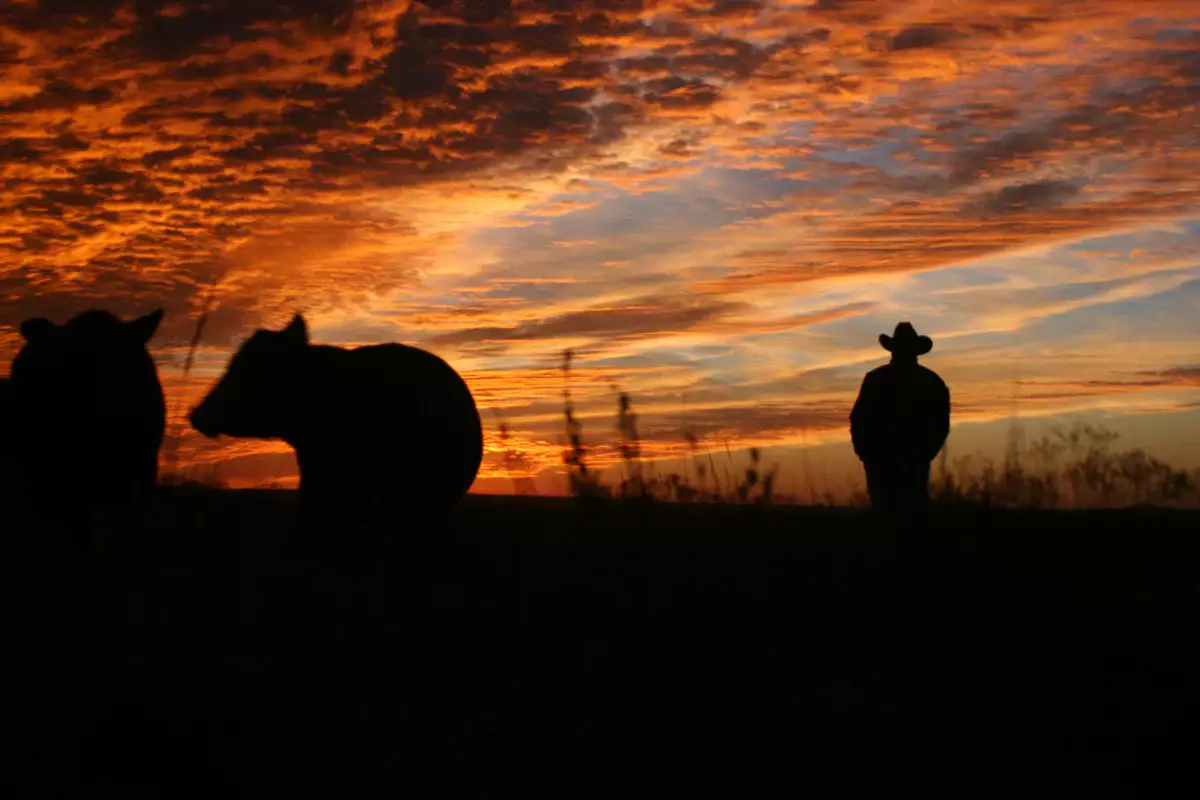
{"x": 85, "y": 413}
{"x": 380, "y": 426}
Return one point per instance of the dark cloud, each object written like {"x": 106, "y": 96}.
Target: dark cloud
{"x": 923, "y": 36}
{"x": 860, "y": 12}
{"x": 722, "y": 56}
{"x": 58, "y": 94}
{"x": 105, "y": 174}
{"x": 18, "y": 150}
{"x": 679, "y": 148}
{"x": 732, "y": 8}
{"x": 418, "y": 70}
{"x": 170, "y": 36}
{"x": 652, "y": 65}
{"x": 1176, "y": 376}
{"x": 1116, "y": 121}
{"x": 978, "y": 161}
{"x": 74, "y": 13}
{"x": 611, "y": 119}
{"x": 159, "y": 158}
{"x": 69, "y": 142}
{"x": 230, "y": 192}
{"x": 1028, "y": 197}
{"x": 76, "y": 197}
{"x": 10, "y": 53}
{"x": 681, "y": 93}
{"x": 340, "y": 62}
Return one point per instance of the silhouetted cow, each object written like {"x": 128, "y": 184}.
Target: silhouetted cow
{"x": 85, "y": 412}
{"x": 379, "y": 426}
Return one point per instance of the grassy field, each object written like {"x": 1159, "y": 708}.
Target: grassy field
{"x": 219, "y": 646}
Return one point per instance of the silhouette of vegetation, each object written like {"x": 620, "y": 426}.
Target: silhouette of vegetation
{"x": 582, "y": 482}
{"x": 196, "y": 477}
{"x": 764, "y": 482}
{"x": 171, "y": 456}
{"x": 633, "y": 485}
{"x": 514, "y": 462}
{"x": 1069, "y": 468}
{"x": 638, "y": 480}
{"x": 1072, "y": 467}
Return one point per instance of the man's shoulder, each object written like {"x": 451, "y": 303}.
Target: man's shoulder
{"x": 929, "y": 375}
{"x": 879, "y": 372}
{"x": 890, "y": 371}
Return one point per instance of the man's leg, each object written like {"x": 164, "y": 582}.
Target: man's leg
{"x": 909, "y": 493}
{"x": 881, "y": 486}
{"x": 917, "y": 488}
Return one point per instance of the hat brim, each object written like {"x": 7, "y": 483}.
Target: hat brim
{"x": 917, "y": 347}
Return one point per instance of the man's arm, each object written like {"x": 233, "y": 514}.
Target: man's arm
{"x": 941, "y": 419}
{"x": 862, "y": 417}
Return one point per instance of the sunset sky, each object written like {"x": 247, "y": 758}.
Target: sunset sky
{"x": 718, "y": 205}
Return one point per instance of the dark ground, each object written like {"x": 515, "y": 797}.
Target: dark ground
{"x": 219, "y": 648}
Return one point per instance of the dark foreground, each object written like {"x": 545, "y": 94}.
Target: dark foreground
{"x": 220, "y": 648}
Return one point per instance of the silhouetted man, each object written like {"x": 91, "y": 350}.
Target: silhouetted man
{"x": 900, "y": 422}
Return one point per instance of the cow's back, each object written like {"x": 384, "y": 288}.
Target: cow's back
{"x": 394, "y": 417}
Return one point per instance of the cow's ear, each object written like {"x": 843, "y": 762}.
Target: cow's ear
{"x": 144, "y": 327}
{"x": 297, "y": 330}
{"x": 36, "y": 328}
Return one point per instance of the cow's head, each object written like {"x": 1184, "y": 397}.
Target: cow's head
{"x": 95, "y": 359}
{"x": 255, "y": 397}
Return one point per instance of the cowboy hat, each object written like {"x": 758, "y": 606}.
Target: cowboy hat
{"x": 906, "y": 341}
